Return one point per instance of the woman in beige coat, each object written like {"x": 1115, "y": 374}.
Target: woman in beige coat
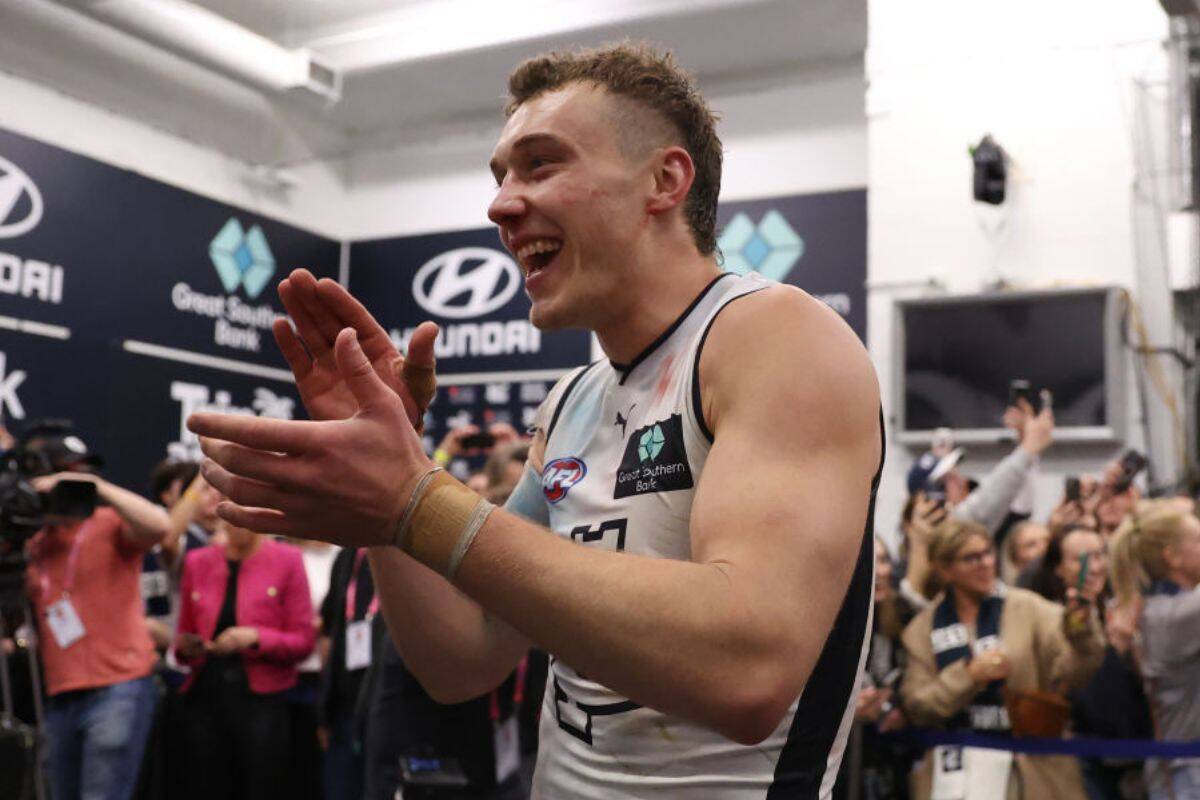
{"x": 977, "y": 639}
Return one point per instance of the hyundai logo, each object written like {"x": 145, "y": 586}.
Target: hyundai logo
{"x": 17, "y": 217}
{"x": 467, "y": 282}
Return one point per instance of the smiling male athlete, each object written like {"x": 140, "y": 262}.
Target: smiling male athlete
{"x": 692, "y": 541}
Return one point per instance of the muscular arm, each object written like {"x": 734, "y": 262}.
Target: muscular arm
{"x": 729, "y": 638}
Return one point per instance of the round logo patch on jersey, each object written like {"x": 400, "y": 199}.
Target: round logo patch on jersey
{"x": 560, "y": 475}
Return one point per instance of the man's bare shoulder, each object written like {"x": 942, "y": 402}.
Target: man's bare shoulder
{"x": 789, "y": 356}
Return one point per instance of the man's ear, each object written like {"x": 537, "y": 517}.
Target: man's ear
{"x": 673, "y": 175}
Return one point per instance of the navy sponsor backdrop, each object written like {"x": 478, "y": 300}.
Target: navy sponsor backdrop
{"x": 467, "y": 283}
{"x": 493, "y": 365}
{"x": 125, "y": 302}
{"x": 815, "y": 241}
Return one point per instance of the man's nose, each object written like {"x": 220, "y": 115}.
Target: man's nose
{"x": 507, "y": 205}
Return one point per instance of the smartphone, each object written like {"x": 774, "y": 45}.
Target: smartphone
{"x": 1021, "y": 389}
{"x": 74, "y": 499}
{"x": 431, "y": 771}
{"x": 1132, "y": 462}
{"x": 1084, "y": 562}
{"x": 1073, "y": 489}
{"x": 478, "y": 441}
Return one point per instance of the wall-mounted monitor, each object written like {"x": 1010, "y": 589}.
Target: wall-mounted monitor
{"x": 956, "y": 357}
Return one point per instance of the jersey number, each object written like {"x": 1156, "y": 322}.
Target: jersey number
{"x": 616, "y": 527}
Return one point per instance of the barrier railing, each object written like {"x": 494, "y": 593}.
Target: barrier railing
{"x": 1084, "y": 747}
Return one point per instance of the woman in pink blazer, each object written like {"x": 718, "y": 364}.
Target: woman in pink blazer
{"x": 245, "y": 622}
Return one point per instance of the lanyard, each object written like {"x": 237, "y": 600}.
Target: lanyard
{"x": 518, "y": 691}
{"x": 72, "y": 564}
{"x": 352, "y": 589}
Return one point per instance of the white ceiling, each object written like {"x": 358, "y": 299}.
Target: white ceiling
{"x": 411, "y": 68}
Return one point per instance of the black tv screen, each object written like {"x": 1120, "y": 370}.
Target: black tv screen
{"x": 960, "y": 356}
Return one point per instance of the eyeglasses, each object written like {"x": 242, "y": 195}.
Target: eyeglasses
{"x": 976, "y": 558}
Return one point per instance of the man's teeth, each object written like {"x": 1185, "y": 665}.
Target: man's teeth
{"x": 538, "y": 246}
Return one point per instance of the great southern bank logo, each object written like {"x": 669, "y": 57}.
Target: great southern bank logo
{"x": 242, "y": 258}
{"x": 20, "y": 201}
{"x": 770, "y": 248}
{"x": 650, "y": 444}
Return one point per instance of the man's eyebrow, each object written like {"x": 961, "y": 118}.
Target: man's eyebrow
{"x": 528, "y": 140}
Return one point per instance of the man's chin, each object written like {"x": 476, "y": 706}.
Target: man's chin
{"x": 545, "y": 318}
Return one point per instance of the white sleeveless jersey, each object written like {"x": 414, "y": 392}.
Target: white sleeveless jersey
{"x": 626, "y": 445}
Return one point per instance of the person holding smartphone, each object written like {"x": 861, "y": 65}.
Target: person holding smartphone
{"x": 978, "y": 640}
{"x": 245, "y": 622}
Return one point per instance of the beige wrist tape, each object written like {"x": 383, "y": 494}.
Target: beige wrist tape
{"x": 441, "y": 522}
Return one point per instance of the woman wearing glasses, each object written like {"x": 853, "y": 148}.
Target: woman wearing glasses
{"x": 1155, "y": 572}
{"x": 976, "y": 640}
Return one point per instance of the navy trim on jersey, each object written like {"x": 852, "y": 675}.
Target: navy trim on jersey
{"x": 626, "y": 369}
{"x": 697, "y": 410}
{"x": 562, "y": 401}
{"x": 804, "y": 761}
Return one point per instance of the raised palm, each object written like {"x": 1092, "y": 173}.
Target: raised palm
{"x": 320, "y": 309}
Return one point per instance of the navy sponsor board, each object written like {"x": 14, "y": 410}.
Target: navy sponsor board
{"x": 104, "y": 252}
{"x": 467, "y": 283}
{"x": 815, "y": 241}
{"x": 128, "y": 408}
{"x": 108, "y": 279}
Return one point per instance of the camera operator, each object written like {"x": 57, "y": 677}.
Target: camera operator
{"x": 83, "y": 580}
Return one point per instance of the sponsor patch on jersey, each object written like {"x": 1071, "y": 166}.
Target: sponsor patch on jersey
{"x": 655, "y": 460}
{"x": 560, "y": 475}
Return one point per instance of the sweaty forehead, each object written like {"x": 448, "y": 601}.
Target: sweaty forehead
{"x": 581, "y": 115}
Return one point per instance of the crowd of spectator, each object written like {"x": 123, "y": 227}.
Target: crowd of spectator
{"x": 186, "y": 657}
{"x": 991, "y": 622}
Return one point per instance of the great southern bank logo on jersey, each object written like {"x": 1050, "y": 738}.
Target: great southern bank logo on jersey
{"x": 465, "y": 284}
{"x": 20, "y": 212}
{"x": 655, "y": 460}
{"x": 244, "y": 263}
{"x": 560, "y": 475}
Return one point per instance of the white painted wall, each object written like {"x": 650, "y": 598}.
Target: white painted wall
{"x": 1055, "y": 84}
{"x": 806, "y": 133}
{"x": 41, "y": 113}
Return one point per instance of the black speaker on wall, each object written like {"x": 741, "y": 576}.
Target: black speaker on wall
{"x": 990, "y": 171}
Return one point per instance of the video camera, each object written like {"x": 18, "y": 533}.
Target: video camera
{"x": 46, "y": 447}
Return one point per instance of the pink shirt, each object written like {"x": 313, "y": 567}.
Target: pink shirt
{"x": 105, "y": 592}
{"x": 272, "y": 597}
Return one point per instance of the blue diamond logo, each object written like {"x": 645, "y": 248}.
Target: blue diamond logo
{"x": 651, "y": 444}
{"x": 756, "y": 251}
{"x": 771, "y": 247}
{"x": 242, "y": 258}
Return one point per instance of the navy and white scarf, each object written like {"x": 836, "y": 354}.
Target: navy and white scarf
{"x": 951, "y": 643}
